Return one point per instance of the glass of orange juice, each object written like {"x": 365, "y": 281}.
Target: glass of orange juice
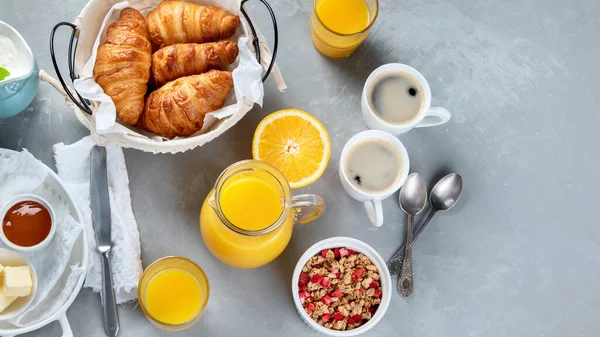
{"x": 340, "y": 26}
{"x": 246, "y": 220}
{"x": 173, "y": 292}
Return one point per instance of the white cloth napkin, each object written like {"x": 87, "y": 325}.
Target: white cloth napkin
{"x": 73, "y": 165}
{"x": 21, "y": 173}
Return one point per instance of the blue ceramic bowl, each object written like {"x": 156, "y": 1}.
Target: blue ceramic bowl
{"x": 18, "y": 90}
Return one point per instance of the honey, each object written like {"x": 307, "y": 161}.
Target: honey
{"x": 27, "y": 223}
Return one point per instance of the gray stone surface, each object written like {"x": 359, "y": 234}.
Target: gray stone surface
{"x": 518, "y": 256}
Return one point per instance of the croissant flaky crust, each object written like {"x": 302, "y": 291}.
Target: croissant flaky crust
{"x": 122, "y": 65}
{"x": 182, "y": 22}
{"x": 178, "y": 108}
{"x": 179, "y": 60}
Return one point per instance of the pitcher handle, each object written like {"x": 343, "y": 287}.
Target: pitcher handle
{"x": 307, "y": 207}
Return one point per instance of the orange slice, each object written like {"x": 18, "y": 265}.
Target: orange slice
{"x": 296, "y": 143}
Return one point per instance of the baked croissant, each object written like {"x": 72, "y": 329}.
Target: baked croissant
{"x": 122, "y": 65}
{"x": 179, "y": 60}
{"x": 182, "y": 22}
{"x": 178, "y": 107}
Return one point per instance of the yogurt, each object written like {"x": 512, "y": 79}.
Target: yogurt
{"x": 8, "y": 53}
{"x": 21, "y": 84}
{"x": 15, "y": 54}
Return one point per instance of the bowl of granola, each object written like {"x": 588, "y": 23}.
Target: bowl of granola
{"x": 341, "y": 287}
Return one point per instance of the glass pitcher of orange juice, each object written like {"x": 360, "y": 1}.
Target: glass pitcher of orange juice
{"x": 246, "y": 220}
{"x": 340, "y": 26}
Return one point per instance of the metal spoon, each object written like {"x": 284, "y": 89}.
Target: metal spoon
{"x": 413, "y": 197}
{"x": 444, "y": 196}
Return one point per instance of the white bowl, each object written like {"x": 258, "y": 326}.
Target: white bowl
{"x": 360, "y": 247}
{"x": 9, "y": 258}
{"x": 11, "y": 203}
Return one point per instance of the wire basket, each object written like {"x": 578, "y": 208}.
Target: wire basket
{"x": 84, "y": 109}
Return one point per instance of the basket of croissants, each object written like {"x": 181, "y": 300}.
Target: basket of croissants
{"x": 164, "y": 76}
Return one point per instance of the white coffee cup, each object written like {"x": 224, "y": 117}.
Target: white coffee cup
{"x": 372, "y": 201}
{"x": 427, "y": 116}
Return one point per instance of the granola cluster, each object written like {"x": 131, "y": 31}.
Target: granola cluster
{"x": 339, "y": 288}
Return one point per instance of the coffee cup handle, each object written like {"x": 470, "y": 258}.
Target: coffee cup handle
{"x": 436, "y": 115}
{"x": 374, "y": 212}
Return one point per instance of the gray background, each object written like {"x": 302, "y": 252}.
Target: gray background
{"x": 518, "y": 256}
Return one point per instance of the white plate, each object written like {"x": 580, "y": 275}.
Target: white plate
{"x": 79, "y": 255}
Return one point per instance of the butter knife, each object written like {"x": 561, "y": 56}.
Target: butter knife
{"x": 101, "y": 222}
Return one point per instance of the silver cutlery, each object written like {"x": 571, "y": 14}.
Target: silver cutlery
{"x": 101, "y": 221}
{"x": 444, "y": 196}
{"x": 413, "y": 197}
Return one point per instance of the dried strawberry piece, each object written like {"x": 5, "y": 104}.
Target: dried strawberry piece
{"x": 354, "y": 278}
{"x": 310, "y": 307}
{"x": 302, "y": 287}
{"x": 351, "y": 252}
{"x": 372, "y": 308}
{"x": 356, "y": 318}
{"x": 317, "y": 266}
{"x": 338, "y": 316}
{"x": 358, "y": 272}
{"x": 336, "y": 252}
{"x": 310, "y": 299}
{"x": 373, "y": 285}
{"x": 344, "y": 252}
{"x": 324, "y": 253}
{"x": 377, "y": 293}
{"x": 361, "y": 290}
{"x": 350, "y": 320}
{"x": 337, "y": 293}
{"x": 316, "y": 278}
{"x": 325, "y": 282}
{"x": 302, "y": 296}
{"x": 304, "y": 278}
{"x": 326, "y": 317}
{"x": 326, "y": 299}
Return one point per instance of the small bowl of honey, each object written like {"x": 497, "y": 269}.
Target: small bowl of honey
{"x": 27, "y": 223}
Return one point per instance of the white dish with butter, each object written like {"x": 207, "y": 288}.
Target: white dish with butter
{"x": 14, "y": 281}
{"x": 79, "y": 255}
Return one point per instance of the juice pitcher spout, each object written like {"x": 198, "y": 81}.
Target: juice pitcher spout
{"x": 212, "y": 201}
{"x": 307, "y": 207}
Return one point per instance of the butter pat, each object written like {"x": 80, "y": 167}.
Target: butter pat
{"x": 5, "y": 301}
{"x": 17, "y": 281}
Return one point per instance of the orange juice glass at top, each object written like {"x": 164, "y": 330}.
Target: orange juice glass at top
{"x": 340, "y": 26}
